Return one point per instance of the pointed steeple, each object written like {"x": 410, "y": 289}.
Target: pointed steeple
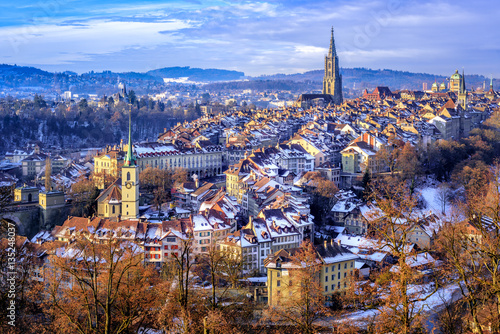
{"x": 491, "y": 82}
{"x": 333, "y": 51}
{"x": 129, "y": 158}
{"x": 462, "y": 83}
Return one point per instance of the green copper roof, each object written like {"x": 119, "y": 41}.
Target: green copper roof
{"x": 456, "y": 75}
{"x": 129, "y": 158}
{"x": 462, "y": 83}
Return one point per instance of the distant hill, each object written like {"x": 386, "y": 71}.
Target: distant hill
{"x": 361, "y": 78}
{"x": 197, "y": 74}
{"x": 15, "y": 70}
{"x": 15, "y": 77}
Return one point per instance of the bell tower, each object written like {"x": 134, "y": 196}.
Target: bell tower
{"x": 462, "y": 92}
{"x": 130, "y": 180}
{"x": 332, "y": 81}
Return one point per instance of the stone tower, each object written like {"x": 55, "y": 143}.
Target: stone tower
{"x": 332, "y": 81}
{"x": 130, "y": 181}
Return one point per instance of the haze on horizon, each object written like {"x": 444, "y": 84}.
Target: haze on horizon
{"x": 264, "y": 37}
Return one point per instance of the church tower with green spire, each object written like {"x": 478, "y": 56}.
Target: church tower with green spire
{"x": 462, "y": 92}
{"x": 332, "y": 81}
{"x": 130, "y": 180}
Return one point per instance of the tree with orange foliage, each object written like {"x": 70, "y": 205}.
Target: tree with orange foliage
{"x": 391, "y": 224}
{"x": 301, "y": 302}
{"x": 180, "y": 175}
{"x": 99, "y": 287}
{"x": 323, "y": 197}
{"x": 23, "y": 292}
{"x": 84, "y": 194}
{"x": 158, "y": 182}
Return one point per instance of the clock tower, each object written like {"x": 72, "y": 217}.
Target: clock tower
{"x": 130, "y": 180}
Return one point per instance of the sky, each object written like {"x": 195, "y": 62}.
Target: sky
{"x": 255, "y": 37}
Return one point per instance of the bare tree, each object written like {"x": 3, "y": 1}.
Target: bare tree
{"x": 444, "y": 195}
{"x": 180, "y": 313}
{"x": 391, "y": 224}
{"x": 462, "y": 266}
{"x": 99, "y": 287}
{"x": 301, "y": 303}
{"x": 48, "y": 174}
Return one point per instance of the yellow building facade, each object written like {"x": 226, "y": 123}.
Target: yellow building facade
{"x": 337, "y": 267}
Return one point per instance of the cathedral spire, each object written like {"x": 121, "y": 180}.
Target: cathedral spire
{"x": 332, "y": 80}
{"x": 333, "y": 51}
{"x": 129, "y": 158}
{"x": 462, "y": 83}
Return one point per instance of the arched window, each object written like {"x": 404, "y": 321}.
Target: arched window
{"x": 113, "y": 209}
{"x": 128, "y": 176}
{"x": 106, "y": 209}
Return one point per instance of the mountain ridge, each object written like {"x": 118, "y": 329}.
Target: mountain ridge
{"x": 14, "y": 76}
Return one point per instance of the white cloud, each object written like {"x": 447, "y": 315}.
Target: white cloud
{"x": 310, "y": 50}
{"x": 50, "y": 44}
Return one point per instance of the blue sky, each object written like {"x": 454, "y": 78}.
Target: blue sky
{"x": 256, "y": 37}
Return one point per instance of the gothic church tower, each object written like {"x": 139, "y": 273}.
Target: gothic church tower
{"x": 462, "y": 92}
{"x": 332, "y": 81}
{"x": 130, "y": 181}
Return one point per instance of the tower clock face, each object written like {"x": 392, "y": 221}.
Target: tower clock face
{"x": 129, "y": 184}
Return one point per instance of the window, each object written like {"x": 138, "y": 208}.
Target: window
{"x": 326, "y": 278}
{"x": 339, "y": 268}
{"x": 128, "y": 176}
{"x": 170, "y": 239}
{"x": 326, "y": 269}
{"x": 278, "y": 274}
{"x": 326, "y": 288}
{"x": 338, "y": 285}
{"x": 345, "y": 274}
{"x": 352, "y": 263}
{"x": 333, "y": 277}
{"x": 113, "y": 209}
{"x": 339, "y": 278}
{"x": 166, "y": 247}
{"x": 278, "y": 283}
{"x": 345, "y": 265}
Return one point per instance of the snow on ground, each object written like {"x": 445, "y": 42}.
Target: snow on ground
{"x": 433, "y": 204}
{"x": 431, "y": 197}
{"x": 432, "y": 305}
